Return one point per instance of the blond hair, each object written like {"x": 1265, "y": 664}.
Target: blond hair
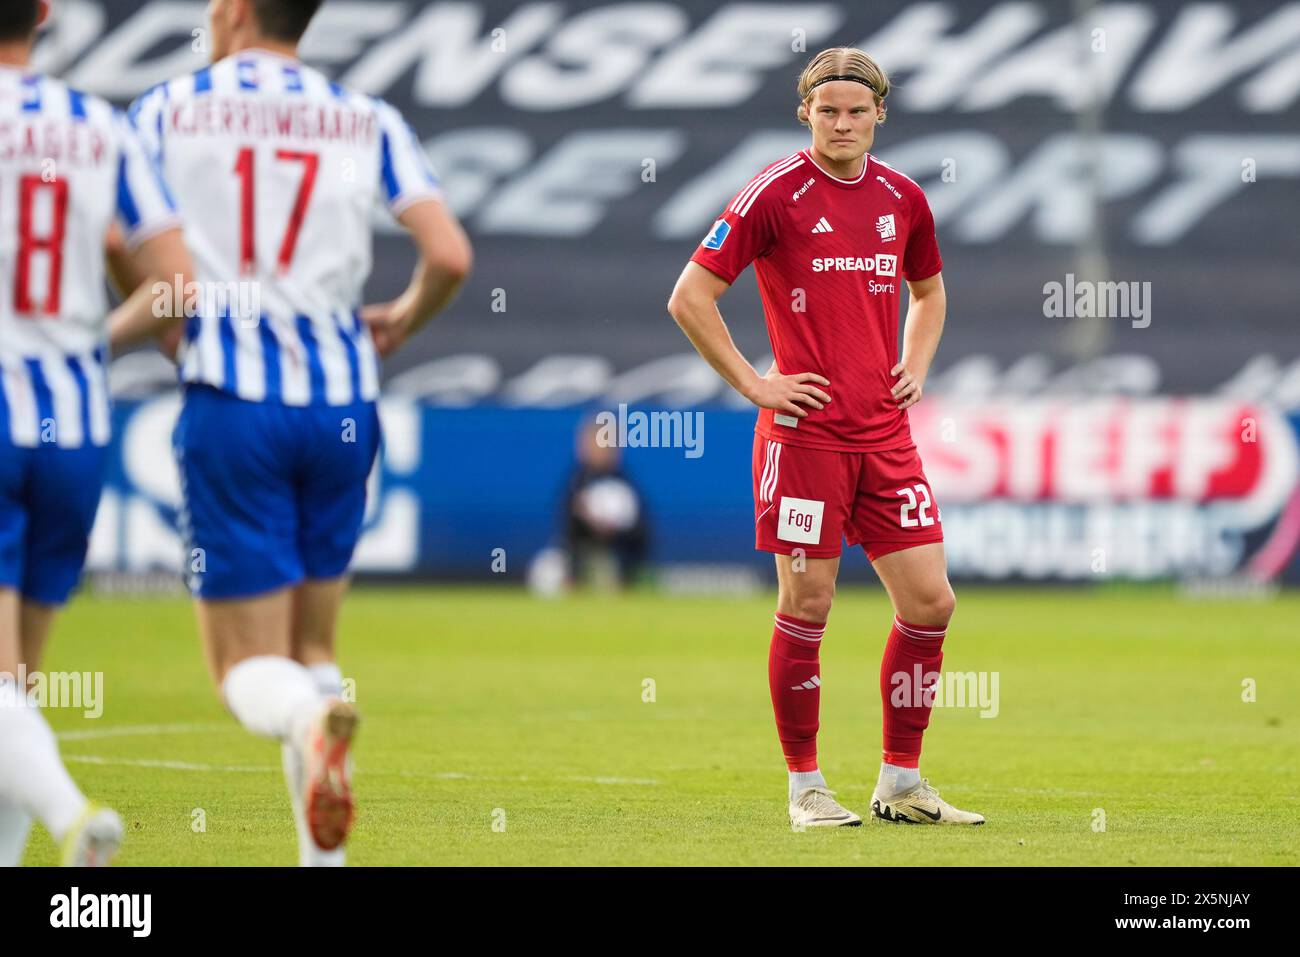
{"x": 841, "y": 61}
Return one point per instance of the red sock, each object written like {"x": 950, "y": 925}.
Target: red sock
{"x": 913, "y": 656}
{"x": 792, "y": 675}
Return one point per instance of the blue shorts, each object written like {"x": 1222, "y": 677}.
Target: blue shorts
{"x": 48, "y": 498}
{"x": 273, "y": 494}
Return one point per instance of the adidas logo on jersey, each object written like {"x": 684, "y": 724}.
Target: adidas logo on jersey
{"x": 812, "y": 684}
{"x": 822, "y": 226}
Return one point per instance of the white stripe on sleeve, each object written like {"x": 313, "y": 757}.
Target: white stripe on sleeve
{"x": 141, "y": 188}
{"x": 406, "y": 177}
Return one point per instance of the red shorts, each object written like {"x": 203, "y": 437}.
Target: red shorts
{"x": 808, "y": 498}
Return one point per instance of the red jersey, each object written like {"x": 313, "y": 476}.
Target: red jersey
{"x": 830, "y": 255}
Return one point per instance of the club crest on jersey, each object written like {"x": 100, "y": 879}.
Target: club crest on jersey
{"x": 885, "y": 226}
{"x": 717, "y": 235}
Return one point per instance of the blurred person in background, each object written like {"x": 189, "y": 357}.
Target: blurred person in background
{"x": 606, "y": 531}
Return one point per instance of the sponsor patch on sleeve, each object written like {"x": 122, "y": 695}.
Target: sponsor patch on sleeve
{"x": 717, "y": 235}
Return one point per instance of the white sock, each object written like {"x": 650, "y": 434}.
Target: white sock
{"x": 14, "y": 825}
{"x": 32, "y": 775}
{"x": 328, "y": 678}
{"x": 894, "y": 780}
{"x": 805, "y": 779}
{"x": 273, "y": 696}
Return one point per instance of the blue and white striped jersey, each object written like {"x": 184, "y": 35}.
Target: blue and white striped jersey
{"x": 69, "y": 164}
{"x": 276, "y": 171}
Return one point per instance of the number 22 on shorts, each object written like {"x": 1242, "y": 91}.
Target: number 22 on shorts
{"x": 921, "y": 506}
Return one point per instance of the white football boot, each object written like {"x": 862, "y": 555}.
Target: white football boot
{"x": 921, "y": 805}
{"x": 94, "y": 839}
{"x": 327, "y": 800}
{"x": 815, "y": 807}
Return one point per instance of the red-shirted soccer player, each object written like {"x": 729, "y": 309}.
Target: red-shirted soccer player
{"x": 833, "y": 233}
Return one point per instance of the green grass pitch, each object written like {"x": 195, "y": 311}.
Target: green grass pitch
{"x": 503, "y": 729}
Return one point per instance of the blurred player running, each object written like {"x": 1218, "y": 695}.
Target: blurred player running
{"x": 69, "y": 166}
{"x": 276, "y": 171}
{"x": 832, "y": 232}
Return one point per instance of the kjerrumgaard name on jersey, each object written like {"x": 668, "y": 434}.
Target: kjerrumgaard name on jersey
{"x": 223, "y": 116}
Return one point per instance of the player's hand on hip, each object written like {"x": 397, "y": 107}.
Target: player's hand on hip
{"x": 388, "y": 325}
{"x": 907, "y": 390}
{"x": 790, "y": 393}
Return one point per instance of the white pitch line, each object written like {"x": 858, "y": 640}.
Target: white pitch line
{"x": 261, "y": 769}
{"x": 520, "y": 778}
{"x": 168, "y": 765}
{"x": 142, "y": 730}
{"x": 132, "y": 730}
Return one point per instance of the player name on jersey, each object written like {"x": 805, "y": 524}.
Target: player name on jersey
{"x": 224, "y": 116}
{"x": 40, "y": 140}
